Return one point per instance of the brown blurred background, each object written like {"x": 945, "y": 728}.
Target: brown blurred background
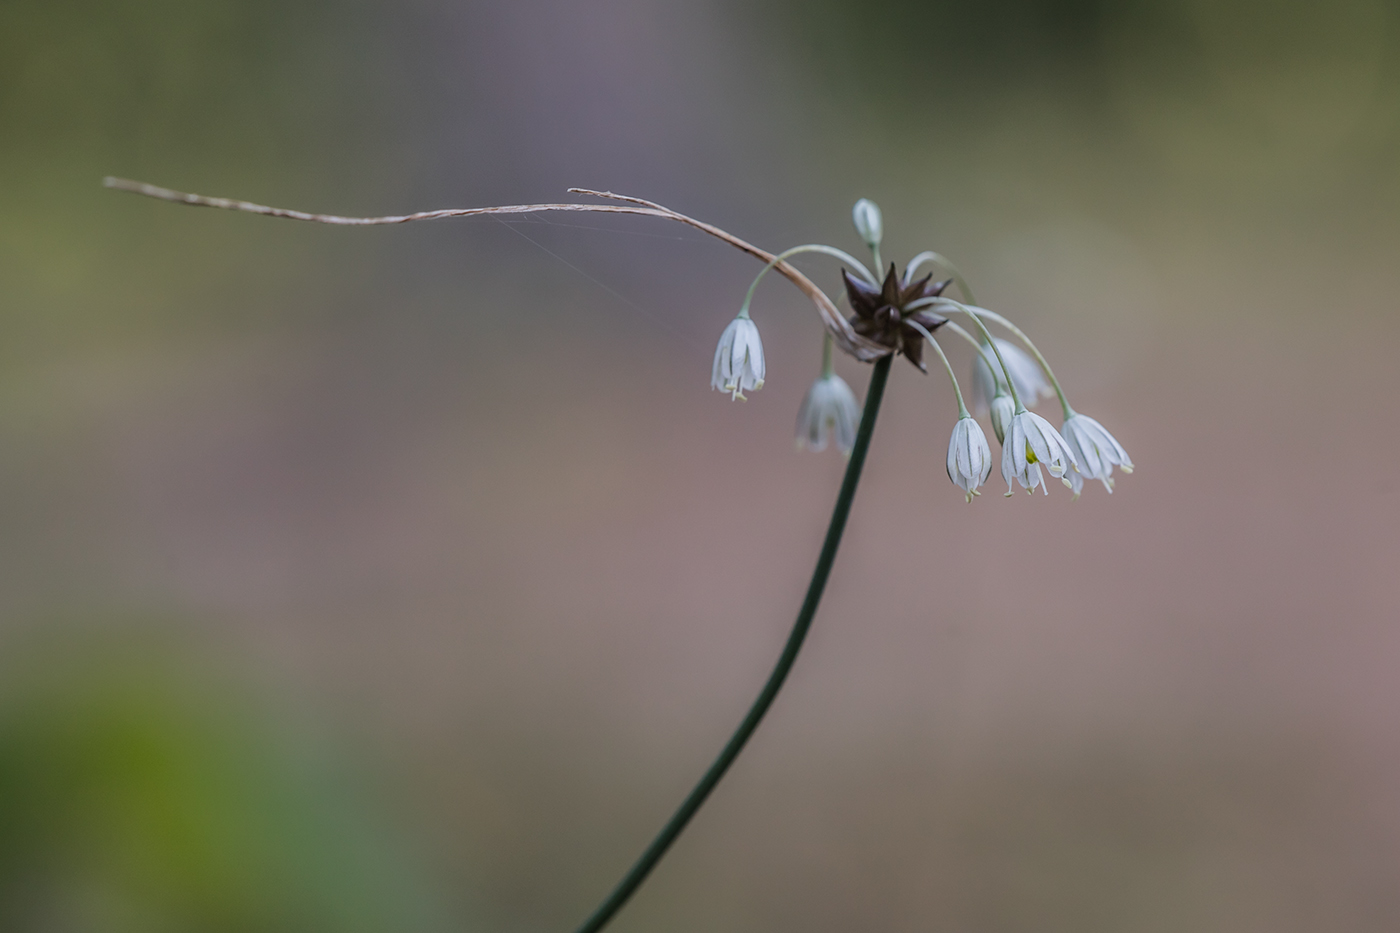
{"x": 404, "y": 578}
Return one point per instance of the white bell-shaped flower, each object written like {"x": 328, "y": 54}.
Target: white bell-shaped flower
{"x": 969, "y": 457}
{"x": 738, "y": 358}
{"x": 1030, "y": 442}
{"x": 1026, "y": 375}
{"x": 1096, "y": 452}
{"x": 828, "y": 409}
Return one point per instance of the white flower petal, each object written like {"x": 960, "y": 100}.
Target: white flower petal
{"x": 969, "y": 456}
{"x": 1009, "y": 469}
{"x": 724, "y": 352}
{"x": 1032, "y": 443}
{"x": 1097, "y": 450}
{"x": 738, "y": 359}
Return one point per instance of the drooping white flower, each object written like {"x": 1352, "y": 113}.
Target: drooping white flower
{"x": 828, "y": 408}
{"x": 1003, "y": 407}
{"x": 1095, "y": 451}
{"x": 738, "y": 359}
{"x": 969, "y": 457}
{"x": 1030, "y": 442}
{"x": 1026, "y": 375}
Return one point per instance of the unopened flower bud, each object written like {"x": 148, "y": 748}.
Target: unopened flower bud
{"x": 871, "y": 228}
{"x": 1003, "y": 407}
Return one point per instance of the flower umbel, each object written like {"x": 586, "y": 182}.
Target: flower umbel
{"x": 890, "y": 318}
{"x": 880, "y": 313}
{"x": 1032, "y": 441}
{"x": 969, "y": 456}
{"x": 738, "y": 359}
{"x": 829, "y": 408}
{"x": 1029, "y": 380}
{"x": 1095, "y": 451}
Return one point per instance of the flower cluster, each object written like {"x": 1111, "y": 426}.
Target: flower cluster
{"x": 898, "y": 315}
{"x": 1081, "y": 449}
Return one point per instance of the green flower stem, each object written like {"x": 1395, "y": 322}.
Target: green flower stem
{"x": 977, "y": 345}
{"x": 987, "y": 335}
{"x": 957, "y": 391}
{"x": 653, "y": 853}
{"x": 827, "y": 368}
{"x": 975, "y": 313}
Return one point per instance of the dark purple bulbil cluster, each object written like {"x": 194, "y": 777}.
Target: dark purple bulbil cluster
{"x": 880, "y": 312}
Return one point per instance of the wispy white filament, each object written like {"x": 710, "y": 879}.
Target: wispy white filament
{"x": 738, "y": 359}
{"x": 829, "y": 408}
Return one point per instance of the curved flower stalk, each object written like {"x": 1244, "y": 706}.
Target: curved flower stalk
{"x": 989, "y": 378}
{"x": 892, "y": 316}
{"x": 969, "y": 455}
{"x": 1002, "y": 409}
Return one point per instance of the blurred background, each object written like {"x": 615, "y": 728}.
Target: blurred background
{"x": 405, "y": 578}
